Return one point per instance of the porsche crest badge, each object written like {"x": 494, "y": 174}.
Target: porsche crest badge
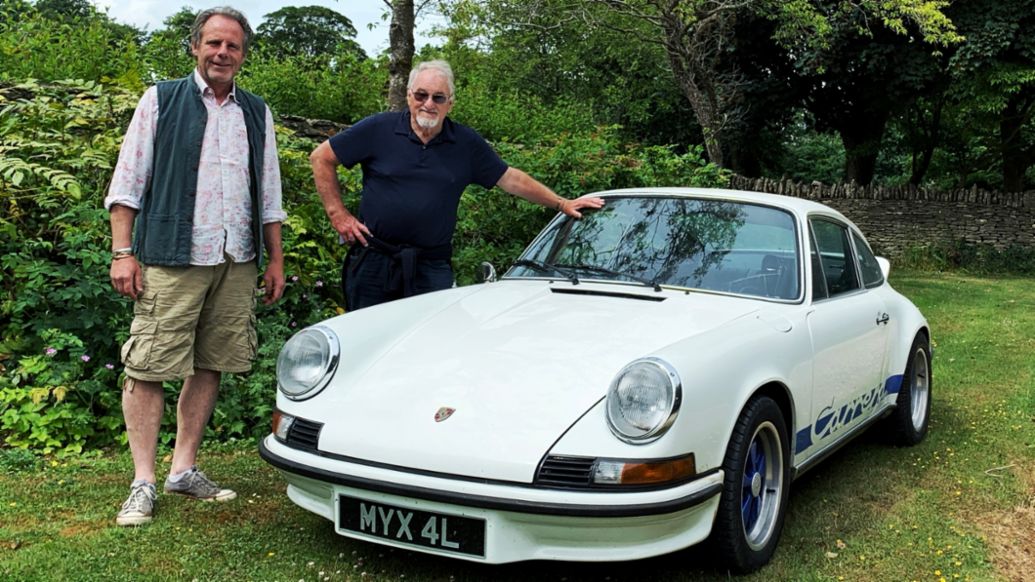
{"x": 444, "y": 413}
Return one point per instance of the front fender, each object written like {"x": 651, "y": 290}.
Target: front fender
{"x": 720, "y": 371}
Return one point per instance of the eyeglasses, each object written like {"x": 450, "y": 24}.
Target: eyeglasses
{"x": 422, "y": 96}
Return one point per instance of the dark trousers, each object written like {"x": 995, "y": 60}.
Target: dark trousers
{"x": 367, "y": 278}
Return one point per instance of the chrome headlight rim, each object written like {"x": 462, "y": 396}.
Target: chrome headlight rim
{"x": 329, "y": 367}
{"x": 662, "y": 427}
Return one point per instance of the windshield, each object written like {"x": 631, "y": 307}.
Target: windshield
{"x": 714, "y": 245}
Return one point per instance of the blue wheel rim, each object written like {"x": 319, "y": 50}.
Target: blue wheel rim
{"x": 762, "y": 485}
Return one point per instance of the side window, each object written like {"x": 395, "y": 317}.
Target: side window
{"x": 835, "y": 256}
{"x": 871, "y": 273}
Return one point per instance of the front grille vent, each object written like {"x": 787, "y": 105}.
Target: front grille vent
{"x": 304, "y": 434}
{"x": 558, "y": 471}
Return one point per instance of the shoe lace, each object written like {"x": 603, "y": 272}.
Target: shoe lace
{"x": 138, "y": 499}
{"x": 198, "y": 480}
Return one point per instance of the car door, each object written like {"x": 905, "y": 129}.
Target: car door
{"x": 848, "y": 325}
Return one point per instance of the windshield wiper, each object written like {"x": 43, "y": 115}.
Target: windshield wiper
{"x": 547, "y": 269}
{"x": 652, "y": 283}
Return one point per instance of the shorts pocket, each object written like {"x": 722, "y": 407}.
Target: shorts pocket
{"x": 145, "y": 303}
{"x": 136, "y": 352}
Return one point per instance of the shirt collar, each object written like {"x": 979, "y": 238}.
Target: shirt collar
{"x": 402, "y": 127}
{"x": 206, "y": 91}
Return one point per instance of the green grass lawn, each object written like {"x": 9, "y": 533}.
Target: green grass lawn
{"x": 959, "y": 506}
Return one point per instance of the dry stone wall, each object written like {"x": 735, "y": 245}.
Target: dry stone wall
{"x": 896, "y": 219}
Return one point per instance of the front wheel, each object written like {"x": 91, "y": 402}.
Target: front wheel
{"x": 755, "y": 488}
{"x": 908, "y": 423}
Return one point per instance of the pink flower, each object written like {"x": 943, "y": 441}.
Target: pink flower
{"x": 319, "y": 284}
{"x": 84, "y": 358}
{"x": 109, "y": 366}
{"x": 50, "y": 351}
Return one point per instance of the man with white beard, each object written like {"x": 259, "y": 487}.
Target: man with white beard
{"x": 416, "y": 164}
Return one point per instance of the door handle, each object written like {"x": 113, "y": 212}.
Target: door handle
{"x": 883, "y": 318}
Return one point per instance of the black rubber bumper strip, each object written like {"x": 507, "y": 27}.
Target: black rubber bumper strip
{"x": 484, "y": 502}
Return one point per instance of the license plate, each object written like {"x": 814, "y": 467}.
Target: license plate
{"x": 451, "y": 533}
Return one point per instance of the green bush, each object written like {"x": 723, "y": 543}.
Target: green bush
{"x": 345, "y": 92}
{"x": 969, "y": 257}
{"x": 60, "y": 323}
{"x": 33, "y": 46}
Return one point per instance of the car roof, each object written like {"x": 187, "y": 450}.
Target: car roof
{"x": 799, "y": 206}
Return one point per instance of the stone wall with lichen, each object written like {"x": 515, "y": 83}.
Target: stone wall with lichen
{"x": 896, "y": 219}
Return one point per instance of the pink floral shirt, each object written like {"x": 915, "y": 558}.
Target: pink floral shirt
{"x": 223, "y": 206}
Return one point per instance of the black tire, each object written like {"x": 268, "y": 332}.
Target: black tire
{"x": 755, "y": 488}
{"x": 907, "y": 424}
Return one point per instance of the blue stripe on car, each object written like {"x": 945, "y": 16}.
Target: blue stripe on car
{"x": 846, "y": 414}
{"x": 893, "y": 384}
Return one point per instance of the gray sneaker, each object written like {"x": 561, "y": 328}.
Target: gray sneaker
{"x": 140, "y": 507}
{"x": 195, "y": 484}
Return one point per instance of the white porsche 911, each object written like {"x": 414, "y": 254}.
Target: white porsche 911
{"x": 643, "y": 379}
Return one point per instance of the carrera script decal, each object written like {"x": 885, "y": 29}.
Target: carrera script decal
{"x": 833, "y": 418}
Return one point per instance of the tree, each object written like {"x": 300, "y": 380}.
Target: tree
{"x": 401, "y": 47}
{"x": 66, "y": 9}
{"x": 536, "y": 50}
{"x": 993, "y": 80}
{"x": 167, "y": 50}
{"x": 400, "y": 51}
{"x": 698, "y": 38}
{"x": 859, "y": 81}
{"x": 313, "y": 32}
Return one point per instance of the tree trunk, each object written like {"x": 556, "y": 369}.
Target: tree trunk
{"x": 861, "y": 136}
{"x": 695, "y": 57}
{"x": 922, "y": 159}
{"x": 744, "y": 161}
{"x": 1016, "y": 159}
{"x": 400, "y": 53}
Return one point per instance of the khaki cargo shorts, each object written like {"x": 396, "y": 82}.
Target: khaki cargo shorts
{"x": 192, "y": 317}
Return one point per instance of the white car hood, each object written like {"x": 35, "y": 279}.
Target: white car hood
{"x": 518, "y": 362}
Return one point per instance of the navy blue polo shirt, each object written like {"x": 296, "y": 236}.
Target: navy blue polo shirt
{"x": 411, "y": 190}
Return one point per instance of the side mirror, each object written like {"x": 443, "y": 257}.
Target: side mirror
{"x": 486, "y": 272}
{"x": 885, "y": 266}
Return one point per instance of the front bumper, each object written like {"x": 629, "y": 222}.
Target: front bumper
{"x": 522, "y": 522}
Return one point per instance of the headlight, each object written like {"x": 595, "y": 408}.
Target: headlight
{"x": 643, "y": 400}
{"x": 307, "y": 362}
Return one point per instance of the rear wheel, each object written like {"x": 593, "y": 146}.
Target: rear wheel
{"x": 755, "y": 488}
{"x": 908, "y": 423}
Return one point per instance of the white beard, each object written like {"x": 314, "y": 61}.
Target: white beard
{"x": 427, "y": 122}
